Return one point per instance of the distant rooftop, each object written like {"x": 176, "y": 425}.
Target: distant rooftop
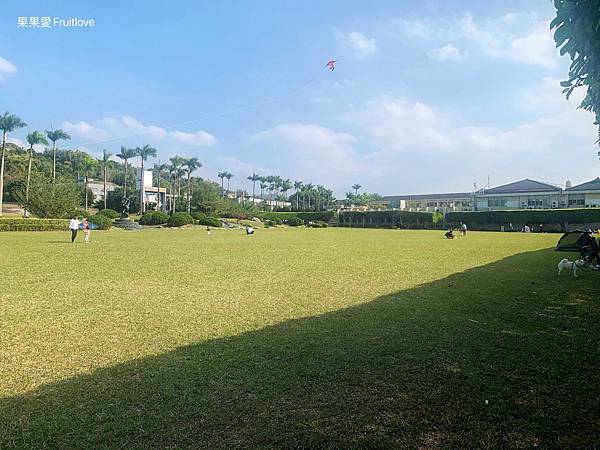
{"x": 452, "y": 195}
{"x": 593, "y": 185}
{"x": 525, "y": 185}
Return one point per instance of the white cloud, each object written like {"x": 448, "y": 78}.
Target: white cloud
{"x": 312, "y": 153}
{"x": 6, "y": 68}
{"x": 361, "y": 45}
{"x": 518, "y": 37}
{"x": 129, "y": 131}
{"x": 447, "y": 53}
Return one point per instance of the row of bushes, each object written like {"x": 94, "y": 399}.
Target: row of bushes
{"x": 18, "y": 224}
{"x": 526, "y": 216}
{"x": 178, "y": 219}
{"x": 385, "y": 218}
{"x": 310, "y": 216}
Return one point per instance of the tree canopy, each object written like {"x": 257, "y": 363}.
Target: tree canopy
{"x": 577, "y": 33}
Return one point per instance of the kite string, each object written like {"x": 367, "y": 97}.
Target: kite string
{"x": 212, "y": 116}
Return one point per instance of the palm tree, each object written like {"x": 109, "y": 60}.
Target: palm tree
{"x": 190, "y": 165}
{"x": 159, "y": 170}
{"x": 254, "y": 178}
{"x": 356, "y": 187}
{"x": 297, "y": 187}
{"x": 309, "y": 188}
{"x": 56, "y": 135}
{"x": 263, "y": 186}
{"x": 34, "y": 138}
{"x": 285, "y": 186}
{"x": 87, "y": 165}
{"x": 144, "y": 153}
{"x": 222, "y": 176}
{"x": 126, "y": 154}
{"x": 105, "y": 158}
{"x": 229, "y": 176}
{"x": 8, "y": 123}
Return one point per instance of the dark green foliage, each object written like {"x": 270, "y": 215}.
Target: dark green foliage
{"x": 526, "y": 216}
{"x": 110, "y": 213}
{"x": 154, "y": 218}
{"x": 199, "y": 215}
{"x": 210, "y": 221}
{"x": 14, "y": 224}
{"x": 295, "y": 221}
{"x": 81, "y": 213}
{"x": 324, "y": 216}
{"x": 101, "y": 221}
{"x": 317, "y": 224}
{"x": 180, "y": 219}
{"x": 48, "y": 200}
{"x": 577, "y": 32}
{"x": 385, "y": 219}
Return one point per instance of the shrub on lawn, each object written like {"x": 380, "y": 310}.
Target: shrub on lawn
{"x": 79, "y": 213}
{"x": 317, "y": 224}
{"x": 110, "y": 213}
{"x": 210, "y": 221}
{"x": 180, "y": 219}
{"x": 323, "y": 216}
{"x": 101, "y": 221}
{"x": 154, "y": 218}
{"x": 199, "y": 215}
{"x": 17, "y": 224}
{"x": 295, "y": 221}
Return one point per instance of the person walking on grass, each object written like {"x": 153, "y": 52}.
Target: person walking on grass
{"x": 87, "y": 230}
{"x": 463, "y": 229}
{"x": 73, "y": 226}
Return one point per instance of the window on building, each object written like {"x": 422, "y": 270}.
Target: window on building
{"x": 576, "y": 200}
{"x": 497, "y": 202}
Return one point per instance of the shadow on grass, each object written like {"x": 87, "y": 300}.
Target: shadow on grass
{"x": 412, "y": 369}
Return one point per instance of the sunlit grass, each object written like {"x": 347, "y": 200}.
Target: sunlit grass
{"x": 71, "y": 309}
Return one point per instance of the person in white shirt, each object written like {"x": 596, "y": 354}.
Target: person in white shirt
{"x": 73, "y": 226}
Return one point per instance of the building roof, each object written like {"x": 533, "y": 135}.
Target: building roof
{"x": 593, "y": 185}
{"x": 525, "y": 185}
{"x": 452, "y": 195}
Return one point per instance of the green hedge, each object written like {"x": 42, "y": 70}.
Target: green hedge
{"x": 526, "y": 216}
{"x": 180, "y": 219}
{"x": 16, "y": 224}
{"x": 323, "y": 216}
{"x": 110, "y": 213}
{"x": 154, "y": 218}
{"x": 295, "y": 221}
{"x": 101, "y": 221}
{"x": 210, "y": 222}
{"x": 385, "y": 218}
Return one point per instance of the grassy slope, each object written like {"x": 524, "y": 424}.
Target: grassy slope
{"x": 294, "y": 337}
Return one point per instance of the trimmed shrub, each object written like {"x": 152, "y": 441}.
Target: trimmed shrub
{"x": 101, "y": 221}
{"x": 110, "y": 213}
{"x": 79, "y": 213}
{"x": 236, "y": 215}
{"x": 180, "y": 219}
{"x": 154, "y": 218}
{"x": 523, "y": 216}
{"x": 199, "y": 215}
{"x": 211, "y": 222}
{"x": 317, "y": 224}
{"x": 295, "y": 221}
{"x": 16, "y": 224}
{"x": 323, "y": 216}
{"x": 386, "y": 219}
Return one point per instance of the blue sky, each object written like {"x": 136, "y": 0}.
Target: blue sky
{"x": 427, "y": 95}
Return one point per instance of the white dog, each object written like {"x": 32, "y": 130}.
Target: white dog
{"x": 570, "y": 265}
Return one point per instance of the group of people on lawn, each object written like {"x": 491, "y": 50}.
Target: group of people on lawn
{"x": 463, "y": 231}
{"x": 74, "y": 225}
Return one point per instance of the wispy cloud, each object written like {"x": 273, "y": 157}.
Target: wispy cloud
{"x": 361, "y": 45}
{"x": 6, "y": 68}
{"x": 447, "y": 53}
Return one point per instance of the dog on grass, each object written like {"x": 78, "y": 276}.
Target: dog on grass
{"x": 570, "y": 265}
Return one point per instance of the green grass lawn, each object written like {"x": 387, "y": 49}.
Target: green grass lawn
{"x": 337, "y": 338}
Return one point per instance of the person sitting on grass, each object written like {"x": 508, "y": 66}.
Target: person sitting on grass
{"x": 249, "y": 230}
{"x": 449, "y": 234}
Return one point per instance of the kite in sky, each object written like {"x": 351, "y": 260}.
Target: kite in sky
{"x": 331, "y": 64}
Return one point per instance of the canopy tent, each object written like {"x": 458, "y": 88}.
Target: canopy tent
{"x": 575, "y": 241}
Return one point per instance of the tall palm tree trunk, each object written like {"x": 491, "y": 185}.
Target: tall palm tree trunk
{"x": 189, "y": 193}
{"x": 86, "y": 191}
{"x": 253, "y": 190}
{"x": 125, "y": 181}
{"x": 53, "y": 162}
{"x": 142, "y": 199}
{"x": 104, "y": 177}
{"x": 28, "y": 180}
{"x": 2, "y": 171}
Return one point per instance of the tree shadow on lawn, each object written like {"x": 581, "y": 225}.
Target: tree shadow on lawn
{"x": 411, "y": 369}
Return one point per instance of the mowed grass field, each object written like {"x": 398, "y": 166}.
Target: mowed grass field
{"x": 321, "y": 338}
